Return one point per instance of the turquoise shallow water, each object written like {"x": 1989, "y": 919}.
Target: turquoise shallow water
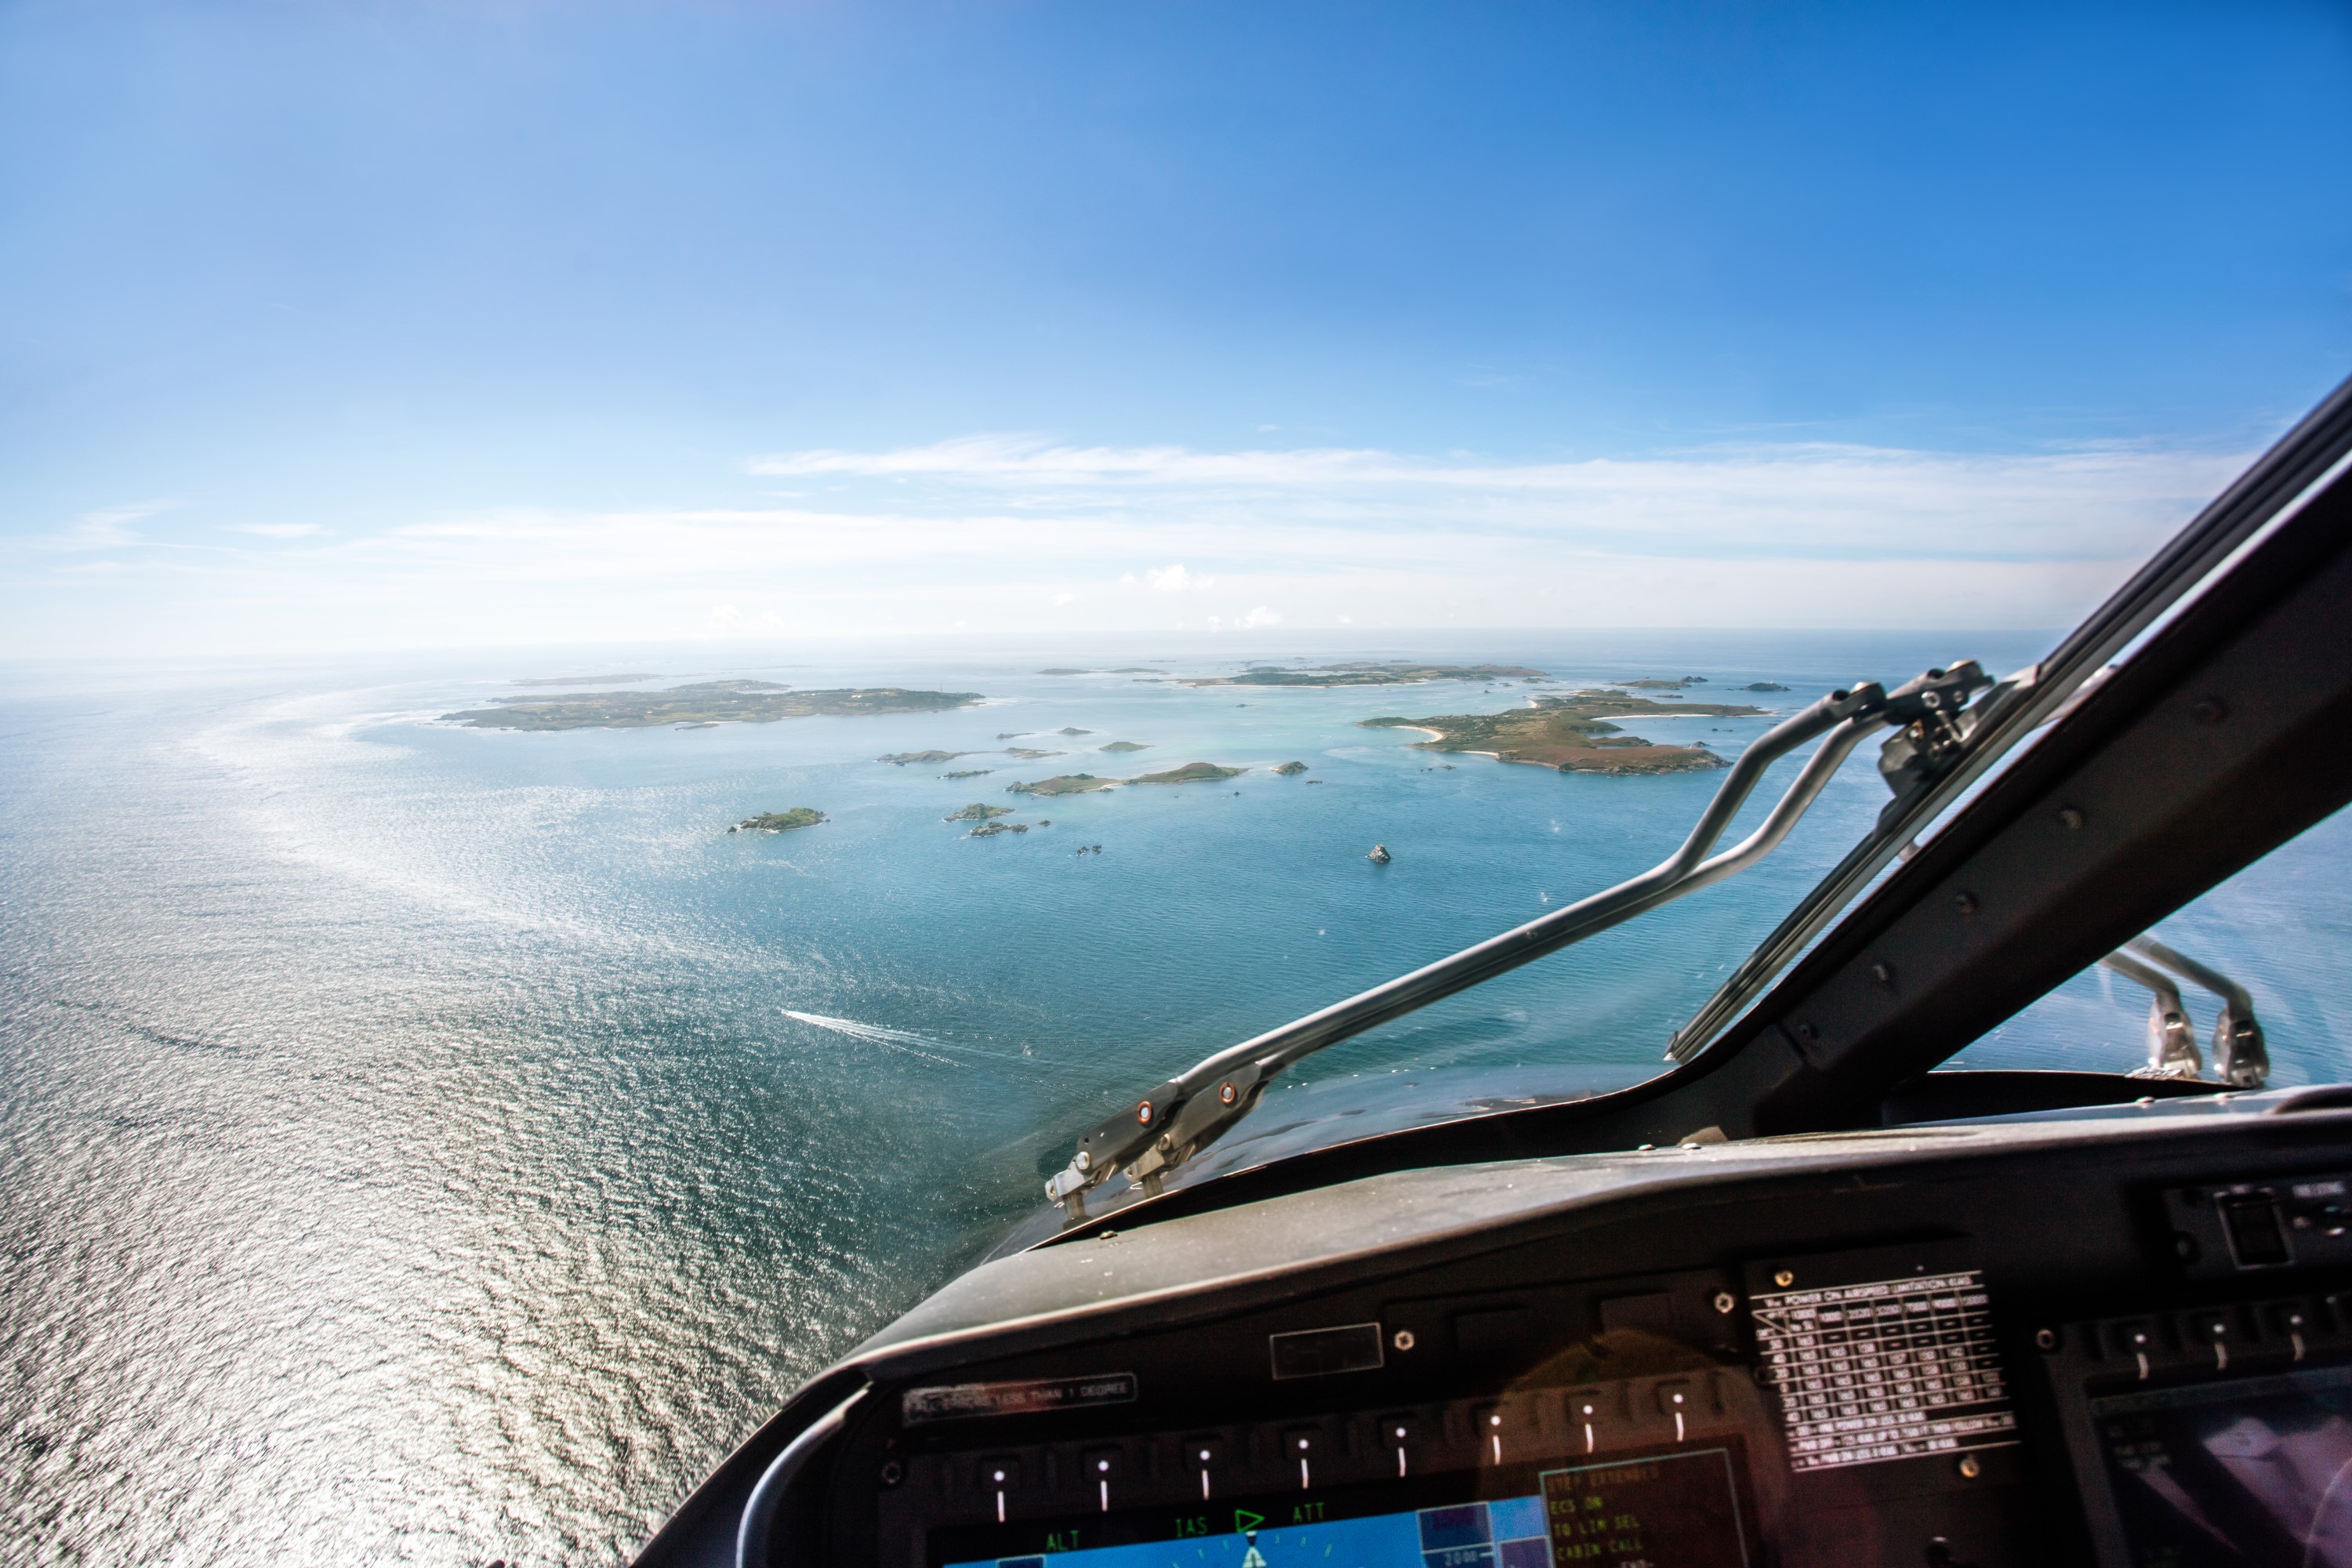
{"x": 405, "y": 1156}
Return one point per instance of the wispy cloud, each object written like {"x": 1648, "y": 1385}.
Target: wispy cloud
{"x": 108, "y": 529}
{"x": 994, "y": 532}
{"x": 278, "y": 530}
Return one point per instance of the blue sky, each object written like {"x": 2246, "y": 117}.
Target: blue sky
{"x": 361, "y": 325}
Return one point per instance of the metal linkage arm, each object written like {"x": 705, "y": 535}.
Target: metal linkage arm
{"x": 2171, "y": 1038}
{"x": 1184, "y": 1114}
{"x": 2241, "y": 1055}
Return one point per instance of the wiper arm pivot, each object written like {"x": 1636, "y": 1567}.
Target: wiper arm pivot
{"x": 1166, "y": 1127}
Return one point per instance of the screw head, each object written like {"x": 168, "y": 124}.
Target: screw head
{"x": 1227, "y": 1094}
{"x": 1725, "y": 1300}
{"x": 1143, "y": 1113}
{"x": 1403, "y": 1339}
{"x": 1784, "y": 1278}
{"x": 2070, "y": 818}
{"x": 893, "y": 1473}
{"x": 1971, "y": 1467}
{"x": 2045, "y": 1339}
{"x": 1084, "y": 1162}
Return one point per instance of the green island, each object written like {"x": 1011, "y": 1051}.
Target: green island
{"x": 1063, "y": 783}
{"x": 978, "y": 811}
{"x": 1028, "y": 753}
{"x": 1289, "y": 769}
{"x": 1190, "y": 772}
{"x": 1124, "y": 746}
{"x": 990, "y": 829}
{"x": 779, "y": 821}
{"x": 1687, "y": 682}
{"x": 586, "y": 679}
{"x": 1366, "y": 675}
{"x": 903, "y": 758}
{"x": 969, "y": 774}
{"x": 1764, "y": 685}
{"x": 1575, "y": 733}
{"x": 1072, "y": 729}
{"x": 708, "y": 702}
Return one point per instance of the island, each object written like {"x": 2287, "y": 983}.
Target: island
{"x": 779, "y": 821}
{"x": 1289, "y": 769}
{"x": 1687, "y": 681}
{"x": 586, "y": 679}
{"x": 978, "y": 811}
{"x": 1028, "y": 754}
{"x": 1064, "y": 784}
{"x": 1190, "y": 772}
{"x": 969, "y": 774}
{"x": 1575, "y": 733}
{"x": 1360, "y": 674}
{"x": 1124, "y": 746}
{"x": 1125, "y": 669}
{"x": 990, "y": 829}
{"x": 903, "y": 758}
{"x": 1765, "y": 686}
{"x": 708, "y": 702}
{"x": 1072, "y": 729}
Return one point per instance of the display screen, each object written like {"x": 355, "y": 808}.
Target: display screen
{"x": 1682, "y": 1508}
{"x": 2254, "y": 1471}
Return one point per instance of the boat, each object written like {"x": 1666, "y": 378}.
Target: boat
{"x": 1810, "y": 1294}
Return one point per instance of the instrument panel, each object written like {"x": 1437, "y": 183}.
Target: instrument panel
{"x": 2114, "y": 1340}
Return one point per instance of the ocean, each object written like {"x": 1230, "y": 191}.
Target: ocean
{"x": 407, "y": 1154}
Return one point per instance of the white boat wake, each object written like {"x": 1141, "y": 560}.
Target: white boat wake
{"x": 914, "y": 1044}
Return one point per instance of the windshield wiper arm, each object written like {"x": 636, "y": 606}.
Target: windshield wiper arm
{"x": 2242, "y": 1057}
{"x": 2171, "y": 1038}
{"x": 1166, "y": 1126}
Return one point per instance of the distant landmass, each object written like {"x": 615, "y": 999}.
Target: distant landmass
{"x": 779, "y": 821}
{"x": 1064, "y": 784}
{"x": 968, "y": 773}
{"x": 1575, "y": 733}
{"x": 1290, "y": 770}
{"x": 1764, "y": 685}
{"x": 584, "y": 680}
{"x": 1686, "y": 680}
{"x": 709, "y": 701}
{"x": 1190, "y": 772}
{"x": 1124, "y": 746}
{"x": 903, "y": 758}
{"x": 1124, "y": 670}
{"x": 1082, "y": 784}
{"x": 978, "y": 811}
{"x": 1367, "y": 675}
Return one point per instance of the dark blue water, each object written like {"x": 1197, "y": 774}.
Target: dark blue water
{"x": 404, "y": 1153}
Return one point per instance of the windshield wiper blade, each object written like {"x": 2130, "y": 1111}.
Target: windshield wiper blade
{"x": 1183, "y": 1115}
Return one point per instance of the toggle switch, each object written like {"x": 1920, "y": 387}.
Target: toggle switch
{"x": 1396, "y": 1432}
{"x": 1204, "y": 1455}
{"x": 1486, "y": 1425}
{"x": 999, "y": 1475}
{"x": 1300, "y": 1444}
{"x": 1674, "y": 1399}
{"x": 1583, "y": 1410}
{"x": 1102, "y": 1468}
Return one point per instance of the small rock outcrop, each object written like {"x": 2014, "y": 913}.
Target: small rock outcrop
{"x": 1380, "y": 855}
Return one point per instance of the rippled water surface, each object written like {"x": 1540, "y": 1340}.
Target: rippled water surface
{"x": 404, "y": 1155}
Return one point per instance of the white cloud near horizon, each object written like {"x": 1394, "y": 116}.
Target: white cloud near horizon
{"x": 1016, "y": 533}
